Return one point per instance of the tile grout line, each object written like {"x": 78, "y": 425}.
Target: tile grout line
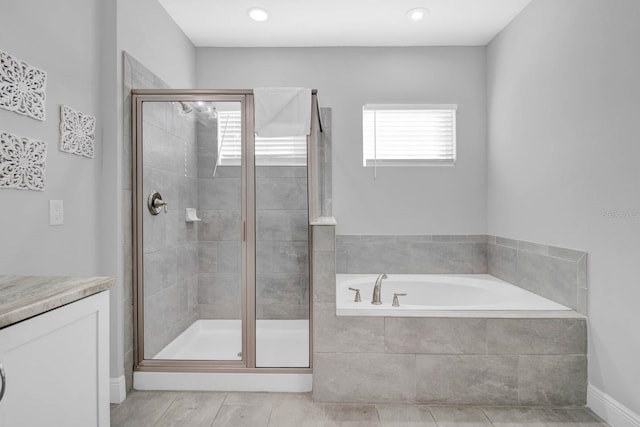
{"x": 166, "y": 410}
{"x": 432, "y": 416}
{"x": 487, "y": 416}
{"x": 219, "y": 409}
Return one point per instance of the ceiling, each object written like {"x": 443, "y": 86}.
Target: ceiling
{"x": 342, "y": 22}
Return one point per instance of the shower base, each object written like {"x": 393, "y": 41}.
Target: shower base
{"x": 279, "y": 344}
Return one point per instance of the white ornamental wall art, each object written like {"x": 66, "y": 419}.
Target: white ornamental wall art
{"x": 77, "y": 132}
{"x": 22, "y": 162}
{"x": 22, "y": 87}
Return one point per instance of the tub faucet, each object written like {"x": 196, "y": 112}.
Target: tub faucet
{"x": 377, "y": 289}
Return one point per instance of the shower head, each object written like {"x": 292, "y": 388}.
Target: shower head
{"x": 186, "y": 108}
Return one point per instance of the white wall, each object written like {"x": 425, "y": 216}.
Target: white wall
{"x": 148, "y": 33}
{"x": 418, "y": 200}
{"x": 564, "y": 121}
{"x": 62, "y": 38}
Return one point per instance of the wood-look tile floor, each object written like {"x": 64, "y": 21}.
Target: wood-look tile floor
{"x": 216, "y": 409}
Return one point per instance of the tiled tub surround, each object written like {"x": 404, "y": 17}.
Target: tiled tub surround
{"x": 422, "y": 254}
{"x": 485, "y": 361}
{"x": 556, "y": 273}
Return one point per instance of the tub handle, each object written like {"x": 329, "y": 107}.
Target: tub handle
{"x": 357, "y": 291}
{"x": 396, "y": 303}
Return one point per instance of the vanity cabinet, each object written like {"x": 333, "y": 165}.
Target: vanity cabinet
{"x": 56, "y": 366}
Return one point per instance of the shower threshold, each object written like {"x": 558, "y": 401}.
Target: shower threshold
{"x": 279, "y": 344}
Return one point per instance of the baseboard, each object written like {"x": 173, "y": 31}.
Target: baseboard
{"x": 210, "y": 381}
{"x": 610, "y": 410}
{"x": 117, "y": 389}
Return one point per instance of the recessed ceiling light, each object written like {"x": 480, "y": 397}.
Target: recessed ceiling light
{"x": 258, "y": 14}
{"x": 417, "y": 13}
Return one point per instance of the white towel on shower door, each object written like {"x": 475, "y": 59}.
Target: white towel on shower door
{"x": 282, "y": 111}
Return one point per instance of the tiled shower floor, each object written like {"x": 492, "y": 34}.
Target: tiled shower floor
{"x": 194, "y": 409}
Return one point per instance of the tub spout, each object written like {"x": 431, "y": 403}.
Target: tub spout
{"x": 377, "y": 289}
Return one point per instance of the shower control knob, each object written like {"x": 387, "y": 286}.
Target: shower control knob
{"x": 156, "y": 204}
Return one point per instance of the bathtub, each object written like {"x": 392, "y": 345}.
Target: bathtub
{"x": 443, "y": 295}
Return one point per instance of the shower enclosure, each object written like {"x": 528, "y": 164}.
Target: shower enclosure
{"x": 221, "y": 236}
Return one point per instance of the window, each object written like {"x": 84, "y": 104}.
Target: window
{"x": 409, "y": 135}
{"x": 289, "y": 151}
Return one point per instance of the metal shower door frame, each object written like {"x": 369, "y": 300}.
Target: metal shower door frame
{"x": 248, "y": 236}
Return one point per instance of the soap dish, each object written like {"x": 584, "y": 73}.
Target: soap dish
{"x": 192, "y": 216}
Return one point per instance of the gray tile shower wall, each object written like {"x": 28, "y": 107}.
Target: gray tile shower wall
{"x": 282, "y": 267}
{"x": 135, "y": 75}
{"x": 219, "y": 247}
{"x": 484, "y": 361}
{"x": 282, "y": 242}
{"x": 556, "y": 273}
{"x": 411, "y": 254}
{"x": 169, "y": 243}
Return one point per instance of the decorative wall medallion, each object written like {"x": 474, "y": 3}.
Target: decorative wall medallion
{"x": 22, "y": 87}
{"x": 22, "y": 162}
{"x": 77, "y": 132}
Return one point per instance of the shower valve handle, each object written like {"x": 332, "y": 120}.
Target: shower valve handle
{"x": 159, "y": 203}
{"x": 156, "y": 204}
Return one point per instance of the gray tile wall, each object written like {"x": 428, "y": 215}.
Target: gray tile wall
{"x": 219, "y": 233}
{"x": 556, "y": 273}
{"x": 325, "y": 165}
{"x": 135, "y": 75}
{"x": 282, "y": 242}
{"x": 282, "y": 262}
{"x": 170, "y": 243}
{"x": 411, "y": 254}
{"x": 439, "y": 360}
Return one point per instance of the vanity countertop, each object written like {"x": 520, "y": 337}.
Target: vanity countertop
{"x": 22, "y": 297}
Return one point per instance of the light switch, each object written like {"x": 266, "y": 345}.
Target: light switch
{"x": 56, "y": 212}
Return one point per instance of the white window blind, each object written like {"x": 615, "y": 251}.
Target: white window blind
{"x": 409, "y": 135}
{"x": 289, "y": 151}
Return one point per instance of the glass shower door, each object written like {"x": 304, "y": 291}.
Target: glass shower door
{"x": 191, "y": 196}
{"x": 282, "y": 253}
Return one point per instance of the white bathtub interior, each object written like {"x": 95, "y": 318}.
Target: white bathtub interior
{"x": 279, "y": 343}
{"x": 458, "y": 295}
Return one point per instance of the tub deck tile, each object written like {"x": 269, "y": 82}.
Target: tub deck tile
{"x": 536, "y": 336}
{"x": 435, "y": 335}
{"x": 364, "y": 378}
{"x": 467, "y": 380}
